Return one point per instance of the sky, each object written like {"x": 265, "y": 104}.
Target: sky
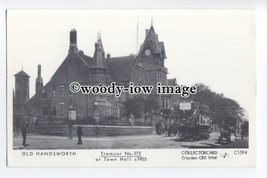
{"x": 214, "y": 47}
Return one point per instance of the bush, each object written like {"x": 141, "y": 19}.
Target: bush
{"x": 86, "y": 121}
{"x": 111, "y": 118}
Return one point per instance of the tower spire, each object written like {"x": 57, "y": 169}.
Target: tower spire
{"x": 99, "y": 35}
{"x": 99, "y": 64}
{"x": 152, "y": 21}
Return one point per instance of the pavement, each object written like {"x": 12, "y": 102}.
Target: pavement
{"x": 123, "y": 142}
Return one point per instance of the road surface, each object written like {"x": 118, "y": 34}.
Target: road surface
{"x": 122, "y": 142}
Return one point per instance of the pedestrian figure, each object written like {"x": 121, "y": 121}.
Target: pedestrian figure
{"x": 166, "y": 125}
{"x": 70, "y": 130}
{"x": 158, "y": 130}
{"x": 79, "y": 134}
{"x": 24, "y": 134}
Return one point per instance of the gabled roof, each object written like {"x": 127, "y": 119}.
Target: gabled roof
{"x": 74, "y": 67}
{"x": 34, "y": 104}
{"x": 152, "y": 41}
{"x": 86, "y": 59}
{"x": 121, "y": 67}
{"x": 119, "y": 70}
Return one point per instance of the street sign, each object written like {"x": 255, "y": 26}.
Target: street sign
{"x": 185, "y": 106}
{"x": 72, "y": 115}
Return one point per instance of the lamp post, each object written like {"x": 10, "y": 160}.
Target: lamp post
{"x": 96, "y": 114}
{"x": 152, "y": 118}
{"x": 72, "y": 117}
{"x": 172, "y": 114}
{"x": 70, "y": 125}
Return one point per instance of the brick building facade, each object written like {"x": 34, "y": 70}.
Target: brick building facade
{"x": 54, "y": 100}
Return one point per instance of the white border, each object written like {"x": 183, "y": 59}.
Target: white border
{"x": 261, "y": 18}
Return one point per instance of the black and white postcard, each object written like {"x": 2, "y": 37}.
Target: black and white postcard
{"x": 131, "y": 88}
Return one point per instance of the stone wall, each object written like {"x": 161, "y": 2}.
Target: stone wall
{"x": 94, "y": 130}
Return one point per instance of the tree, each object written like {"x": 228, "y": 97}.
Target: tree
{"x": 134, "y": 106}
{"x": 150, "y": 104}
{"x": 220, "y": 106}
{"x": 139, "y": 106}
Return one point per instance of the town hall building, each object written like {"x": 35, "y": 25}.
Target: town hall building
{"x": 54, "y": 100}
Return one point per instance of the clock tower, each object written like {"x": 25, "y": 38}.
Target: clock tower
{"x": 152, "y": 55}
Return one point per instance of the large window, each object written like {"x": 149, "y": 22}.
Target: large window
{"x": 54, "y": 111}
{"x": 45, "y": 110}
{"x": 107, "y": 112}
{"x": 116, "y": 112}
{"x": 61, "y": 109}
{"x": 62, "y": 90}
{"x": 165, "y": 103}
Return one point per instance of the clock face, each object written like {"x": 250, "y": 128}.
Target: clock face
{"x": 147, "y": 52}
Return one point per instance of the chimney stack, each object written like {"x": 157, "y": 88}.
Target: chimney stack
{"x": 73, "y": 42}
{"x": 39, "y": 80}
{"x": 39, "y": 70}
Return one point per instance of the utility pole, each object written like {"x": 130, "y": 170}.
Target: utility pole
{"x": 137, "y": 34}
